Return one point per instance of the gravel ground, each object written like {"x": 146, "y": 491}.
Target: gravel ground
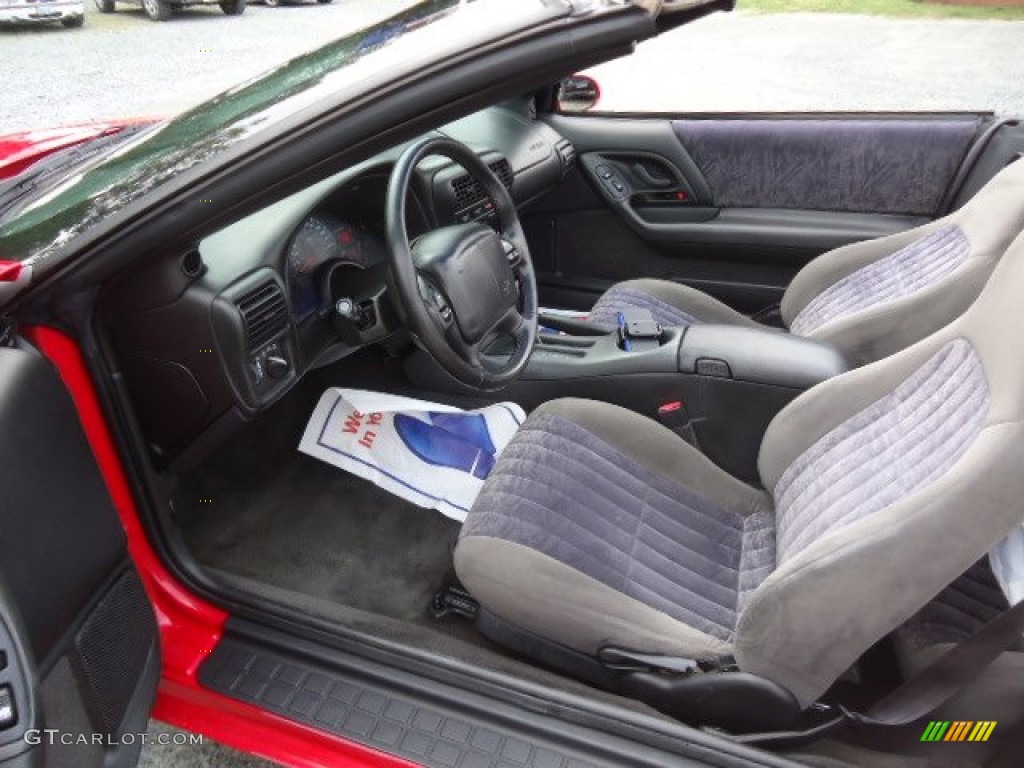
{"x": 123, "y": 64}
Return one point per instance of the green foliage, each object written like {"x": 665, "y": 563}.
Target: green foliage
{"x": 902, "y": 8}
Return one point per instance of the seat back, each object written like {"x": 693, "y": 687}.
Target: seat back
{"x": 874, "y": 298}
{"x": 889, "y": 482}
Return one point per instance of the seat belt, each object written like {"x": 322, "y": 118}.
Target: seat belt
{"x": 933, "y": 686}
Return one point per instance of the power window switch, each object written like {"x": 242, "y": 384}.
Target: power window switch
{"x": 8, "y": 712}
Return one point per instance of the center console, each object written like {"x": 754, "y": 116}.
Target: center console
{"x": 718, "y": 386}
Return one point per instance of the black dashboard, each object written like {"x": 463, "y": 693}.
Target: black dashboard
{"x": 224, "y": 329}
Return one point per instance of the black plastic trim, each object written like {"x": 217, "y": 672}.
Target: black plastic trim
{"x": 970, "y": 157}
{"x": 430, "y": 722}
{"x": 672, "y": 19}
{"x": 994, "y": 151}
{"x": 18, "y": 676}
{"x": 612, "y": 135}
{"x": 561, "y": 359}
{"x": 727, "y": 115}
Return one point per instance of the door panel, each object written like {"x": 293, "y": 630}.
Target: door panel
{"x": 79, "y": 631}
{"x": 735, "y": 206}
{"x": 897, "y": 166}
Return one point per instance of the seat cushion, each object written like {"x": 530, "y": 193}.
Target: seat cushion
{"x": 671, "y": 304}
{"x": 565, "y": 494}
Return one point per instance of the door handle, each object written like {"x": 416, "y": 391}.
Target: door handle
{"x": 648, "y": 179}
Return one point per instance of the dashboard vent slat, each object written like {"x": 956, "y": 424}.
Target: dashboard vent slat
{"x": 264, "y": 313}
{"x": 468, "y": 190}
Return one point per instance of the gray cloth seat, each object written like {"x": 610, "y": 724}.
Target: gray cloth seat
{"x": 871, "y": 298}
{"x": 599, "y": 527}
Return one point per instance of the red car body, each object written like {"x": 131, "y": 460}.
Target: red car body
{"x": 190, "y": 627}
{"x": 20, "y": 150}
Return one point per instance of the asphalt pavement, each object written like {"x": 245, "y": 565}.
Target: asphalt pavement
{"x": 747, "y": 62}
{"x": 122, "y": 64}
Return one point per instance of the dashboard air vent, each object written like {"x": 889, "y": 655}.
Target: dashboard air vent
{"x": 192, "y": 264}
{"x": 468, "y": 190}
{"x": 264, "y": 312}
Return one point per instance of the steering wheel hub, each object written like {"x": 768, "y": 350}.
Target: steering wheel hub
{"x": 467, "y": 264}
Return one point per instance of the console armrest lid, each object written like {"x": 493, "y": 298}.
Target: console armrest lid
{"x": 764, "y": 356}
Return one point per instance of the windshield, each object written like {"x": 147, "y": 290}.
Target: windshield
{"x": 41, "y": 225}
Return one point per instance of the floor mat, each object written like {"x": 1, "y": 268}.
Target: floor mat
{"x": 314, "y": 529}
{"x": 259, "y": 509}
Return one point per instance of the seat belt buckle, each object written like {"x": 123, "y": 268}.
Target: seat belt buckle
{"x": 676, "y": 417}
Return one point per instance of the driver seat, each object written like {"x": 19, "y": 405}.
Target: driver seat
{"x": 872, "y": 298}
{"x": 599, "y": 530}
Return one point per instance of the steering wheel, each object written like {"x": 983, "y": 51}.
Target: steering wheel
{"x": 463, "y": 288}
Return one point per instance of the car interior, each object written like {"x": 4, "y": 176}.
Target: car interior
{"x": 664, "y": 502}
{"x": 769, "y": 370}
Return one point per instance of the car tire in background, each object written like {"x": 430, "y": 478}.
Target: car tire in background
{"x": 73, "y": 21}
{"x": 325, "y": 2}
{"x": 272, "y": 3}
{"x": 157, "y": 10}
{"x": 105, "y": 6}
{"x": 233, "y": 7}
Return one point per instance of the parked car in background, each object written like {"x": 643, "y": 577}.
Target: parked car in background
{"x": 161, "y": 10}
{"x": 70, "y": 13}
